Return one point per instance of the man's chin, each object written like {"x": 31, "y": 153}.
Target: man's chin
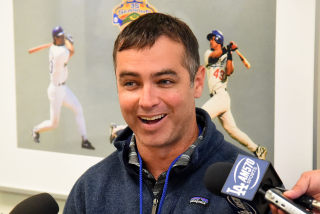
{"x": 153, "y": 141}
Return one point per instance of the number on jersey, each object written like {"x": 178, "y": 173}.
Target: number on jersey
{"x": 219, "y": 74}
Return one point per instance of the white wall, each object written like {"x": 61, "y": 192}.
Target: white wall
{"x": 295, "y": 42}
{"x": 295, "y": 32}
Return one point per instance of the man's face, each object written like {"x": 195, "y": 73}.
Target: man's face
{"x": 213, "y": 43}
{"x": 59, "y": 40}
{"x": 155, "y": 95}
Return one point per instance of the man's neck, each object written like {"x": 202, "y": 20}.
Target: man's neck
{"x": 158, "y": 159}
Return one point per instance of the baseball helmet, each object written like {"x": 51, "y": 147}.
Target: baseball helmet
{"x": 57, "y": 31}
{"x": 218, "y": 36}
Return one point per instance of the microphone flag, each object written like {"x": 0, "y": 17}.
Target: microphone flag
{"x": 247, "y": 175}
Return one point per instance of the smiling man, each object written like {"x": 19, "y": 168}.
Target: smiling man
{"x": 164, "y": 152}
{"x": 157, "y": 101}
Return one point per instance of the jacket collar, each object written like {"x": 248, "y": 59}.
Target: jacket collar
{"x": 212, "y": 140}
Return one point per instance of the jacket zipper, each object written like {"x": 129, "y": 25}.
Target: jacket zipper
{"x": 154, "y": 206}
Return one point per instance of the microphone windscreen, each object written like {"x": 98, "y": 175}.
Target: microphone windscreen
{"x": 215, "y": 177}
{"x": 37, "y": 204}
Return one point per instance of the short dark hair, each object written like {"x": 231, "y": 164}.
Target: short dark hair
{"x": 144, "y": 31}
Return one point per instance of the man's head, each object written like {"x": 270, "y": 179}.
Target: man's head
{"x": 58, "y": 35}
{"x": 215, "y": 36}
{"x": 144, "y": 31}
{"x": 153, "y": 81}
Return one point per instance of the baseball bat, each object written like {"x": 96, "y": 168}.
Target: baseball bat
{"x": 244, "y": 60}
{"x": 35, "y": 49}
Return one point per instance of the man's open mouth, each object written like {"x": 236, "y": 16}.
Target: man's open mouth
{"x": 152, "y": 120}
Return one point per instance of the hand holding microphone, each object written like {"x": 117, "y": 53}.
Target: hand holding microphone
{"x": 309, "y": 183}
{"x": 251, "y": 184}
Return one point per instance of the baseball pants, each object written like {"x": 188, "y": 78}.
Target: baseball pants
{"x": 58, "y": 96}
{"x": 219, "y": 105}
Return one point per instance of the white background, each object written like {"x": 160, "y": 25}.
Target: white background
{"x": 29, "y": 171}
{"x": 294, "y": 88}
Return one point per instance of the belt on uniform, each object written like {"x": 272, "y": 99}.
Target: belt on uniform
{"x": 215, "y": 92}
{"x": 61, "y": 83}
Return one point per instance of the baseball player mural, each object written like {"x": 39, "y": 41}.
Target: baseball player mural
{"x": 58, "y": 92}
{"x": 219, "y": 66}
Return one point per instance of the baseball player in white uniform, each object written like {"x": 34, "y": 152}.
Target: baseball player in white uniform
{"x": 58, "y": 92}
{"x": 219, "y": 67}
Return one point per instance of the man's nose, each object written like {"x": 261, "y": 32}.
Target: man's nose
{"x": 149, "y": 97}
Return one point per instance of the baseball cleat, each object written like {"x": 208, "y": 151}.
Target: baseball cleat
{"x": 86, "y": 145}
{"x": 35, "y": 136}
{"x": 261, "y": 152}
{"x": 112, "y": 133}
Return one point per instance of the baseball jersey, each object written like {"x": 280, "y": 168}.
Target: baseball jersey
{"x": 217, "y": 77}
{"x": 58, "y": 58}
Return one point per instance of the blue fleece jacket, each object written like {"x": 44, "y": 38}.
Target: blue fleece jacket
{"x": 112, "y": 186}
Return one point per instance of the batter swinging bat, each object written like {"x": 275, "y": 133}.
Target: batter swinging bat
{"x": 35, "y": 49}
{"x": 244, "y": 60}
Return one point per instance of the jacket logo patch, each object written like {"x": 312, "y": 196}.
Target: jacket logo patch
{"x": 199, "y": 200}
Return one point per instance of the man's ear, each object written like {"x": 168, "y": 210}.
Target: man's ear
{"x": 199, "y": 81}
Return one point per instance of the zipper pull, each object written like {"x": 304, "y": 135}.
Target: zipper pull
{"x": 154, "y": 206}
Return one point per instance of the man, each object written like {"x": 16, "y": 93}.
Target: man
{"x": 219, "y": 66}
{"x": 58, "y": 92}
{"x": 156, "y": 62}
{"x": 309, "y": 183}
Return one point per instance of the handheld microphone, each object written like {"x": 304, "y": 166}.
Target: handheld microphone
{"x": 304, "y": 200}
{"x": 37, "y": 204}
{"x": 249, "y": 186}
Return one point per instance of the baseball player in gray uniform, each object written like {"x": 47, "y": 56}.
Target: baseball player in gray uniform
{"x": 58, "y": 92}
{"x": 219, "y": 66}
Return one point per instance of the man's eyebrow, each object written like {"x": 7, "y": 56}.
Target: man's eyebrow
{"x": 128, "y": 73}
{"x": 165, "y": 72}
{"x": 157, "y": 74}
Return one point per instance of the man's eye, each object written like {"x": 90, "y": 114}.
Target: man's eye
{"x": 165, "y": 82}
{"x": 130, "y": 84}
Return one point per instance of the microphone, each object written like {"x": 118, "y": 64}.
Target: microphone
{"x": 37, "y": 204}
{"x": 249, "y": 185}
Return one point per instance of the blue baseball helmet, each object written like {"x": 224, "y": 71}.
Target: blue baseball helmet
{"x": 57, "y": 31}
{"x": 218, "y": 36}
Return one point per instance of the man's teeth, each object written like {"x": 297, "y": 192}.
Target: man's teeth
{"x": 153, "y": 118}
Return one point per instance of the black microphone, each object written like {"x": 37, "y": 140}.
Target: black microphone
{"x": 249, "y": 185}
{"x": 37, "y": 204}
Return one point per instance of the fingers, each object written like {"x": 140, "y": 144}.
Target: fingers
{"x": 300, "y": 187}
{"x": 275, "y": 210}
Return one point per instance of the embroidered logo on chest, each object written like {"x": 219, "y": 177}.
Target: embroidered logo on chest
{"x": 199, "y": 200}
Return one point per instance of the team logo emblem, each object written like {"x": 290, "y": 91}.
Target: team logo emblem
{"x": 130, "y": 10}
{"x": 245, "y": 177}
{"x": 247, "y": 171}
{"x": 241, "y": 206}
